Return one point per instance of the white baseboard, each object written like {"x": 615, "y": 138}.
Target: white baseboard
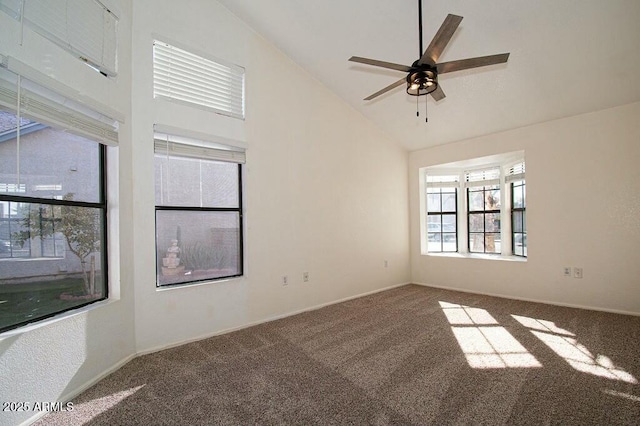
{"x": 525, "y": 299}
{"x": 262, "y": 321}
{"x": 77, "y": 391}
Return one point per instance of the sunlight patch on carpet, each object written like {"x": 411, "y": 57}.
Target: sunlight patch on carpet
{"x": 541, "y": 325}
{"x": 484, "y": 342}
{"x": 98, "y": 406}
{"x": 622, "y": 395}
{"x": 564, "y": 344}
{"x": 579, "y": 357}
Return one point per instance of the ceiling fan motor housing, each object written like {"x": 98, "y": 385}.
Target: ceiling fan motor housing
{"x": 422, "y": 79}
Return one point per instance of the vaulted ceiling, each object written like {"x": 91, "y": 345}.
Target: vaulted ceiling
{"x": 568, "y": 57}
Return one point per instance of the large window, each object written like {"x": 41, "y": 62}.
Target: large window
{"x": 198, "y": 211}
{"x": 442, "y": 213}
{"x": 52, "y": 233}
{"x": 483, "y": 203}
{"x": 475, "y": 206}
{"x": 53, "y": 211}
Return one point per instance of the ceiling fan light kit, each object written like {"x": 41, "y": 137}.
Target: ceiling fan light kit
{"x": 422, "y": 75}
{"x": 422, "y": 80}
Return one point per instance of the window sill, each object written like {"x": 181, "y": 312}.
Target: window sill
{"x": 198, "y": 283}
{"x": 29, "y": 259}
{"x": 508, "y": 258}
{"x": 45, "y": 322}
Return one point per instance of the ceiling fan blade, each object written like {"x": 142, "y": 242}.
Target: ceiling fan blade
{"x": 382, "y": 64}
{"x": 386, "y": 89}
{"x": 464, "y": 64}
{"x": 438, "y": 94}
{"x": 440, "y": 40}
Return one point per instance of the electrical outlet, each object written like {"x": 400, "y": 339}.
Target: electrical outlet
{"x": 567, "y": 271}
{"x": 285, "y": 280}
{"x": 305, "y": 277}
{"x": 577, "y": 272}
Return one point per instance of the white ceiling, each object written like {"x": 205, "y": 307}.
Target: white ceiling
{"x": 567, "y": 57}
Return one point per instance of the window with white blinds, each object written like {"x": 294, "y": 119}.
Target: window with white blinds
{"x": 86, "y": 28}
{"x": 183, "y": 76}
{"x": 192, "y": 148}
{"x": 476, "y": 205}
{"x": 442, "y": 181}
{"x": 45, "y": 106}
{"x": 198, "y": 188}
{"x": 484, "y": 177}
{"x": 515, "y": 172}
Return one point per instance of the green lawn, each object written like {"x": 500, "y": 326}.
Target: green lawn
{"x": 29, "y": 301}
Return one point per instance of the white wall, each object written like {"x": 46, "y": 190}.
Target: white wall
{"x": 53, "y": 359}
{"x": 324, "y": 191}
{"x": 583, "y": 206}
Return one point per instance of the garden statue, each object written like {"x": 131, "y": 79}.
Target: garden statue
{"x": 171, "y": 263}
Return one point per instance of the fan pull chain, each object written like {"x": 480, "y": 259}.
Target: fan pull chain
{"x": 417, "y": 110}
{"x": 426, "y": 109}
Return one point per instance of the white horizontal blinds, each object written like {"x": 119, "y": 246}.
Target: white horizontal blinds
{"x": 86, "y": 28}
{"x": 483, "y": 177}
{"x": 186, "y": 77}
{"x": 166, "y": 144}
{"x": 515, "y": 172}
{"x": 12, "y": 7}
{"x": 47, "y": 107}
{"x": 442, "y": 181}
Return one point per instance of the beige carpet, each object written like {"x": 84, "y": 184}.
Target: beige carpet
{"x": 411, "y": 355}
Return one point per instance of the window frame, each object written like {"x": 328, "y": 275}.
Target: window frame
{"x": 522, "y": 210}
{"x": 238, "y": 210}
{"x": 101, "y": 205}
{"x": 484, "y": 212}
{"x": 498, "y": 170}
{"x": 454, "y": 213}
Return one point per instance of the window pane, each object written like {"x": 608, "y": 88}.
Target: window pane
{"x": 433, "y": 223}
{"x": 476, "y": 222}
{"x": 524, "y": 221}
{"x": 492, "y": 243}
{"x": 52, "y": 164}
{"x": 197, "y": 245}
{"x": 492, "y": 222}
{"x": 434, "y": 242}
{"x": 449, "y": 202}
{"x": 220, "y": 184}
{"x": 492, "y": 200}
{"x": 449, "y": 223}
{"x": 177, "y": 181}
{"x": 517, "y": 250}
{"x": 517, "y": 221}
{"x": 476, "y": 243}
{"x": 433, "y": 202}
{"x": 476, "y": 200}
{"x": 519, "y": 244}
{"x": 37, "y": 287}
{"x": 518, "y": 197}
{"x": 195, "y": 183}
{"x": 449, "y": 242}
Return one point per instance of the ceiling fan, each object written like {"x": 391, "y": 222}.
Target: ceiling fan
{"x": 422, "y": 75}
